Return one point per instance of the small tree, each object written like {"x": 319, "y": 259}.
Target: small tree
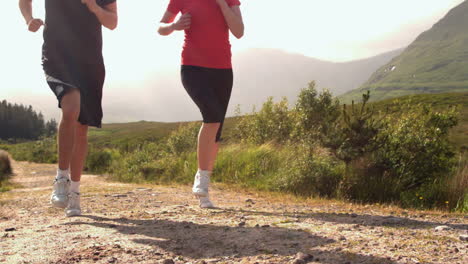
{"x": 317, "y": 115}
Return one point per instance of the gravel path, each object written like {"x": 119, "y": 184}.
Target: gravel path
{"x": 131, "y": 223}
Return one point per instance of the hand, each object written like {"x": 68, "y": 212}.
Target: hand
{"x": 183, "y": 23}
{"x": 91, "y": 4}
{"x": 35, "y": 24}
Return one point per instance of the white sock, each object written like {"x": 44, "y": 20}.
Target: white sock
{"x": 75, "y": 187}
{"x": 204, "y": 172}
{"x": 63, "y": 174}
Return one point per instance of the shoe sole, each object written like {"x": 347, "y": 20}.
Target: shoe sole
{"x": 61, "y": 205}
{"x": 71, "y": 214}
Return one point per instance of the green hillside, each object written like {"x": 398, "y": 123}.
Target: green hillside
{"x": 436, "y": 62}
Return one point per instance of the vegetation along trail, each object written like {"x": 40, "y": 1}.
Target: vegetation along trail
{"x": 131, "y": 223}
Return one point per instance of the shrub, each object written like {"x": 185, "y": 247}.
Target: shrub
{"x": 183, "y": 139}
{"x": 414, "y": 146}
{"x": 5, "y": 165}
{"x": 310, "y": 173}
{"x": 316, "y": 114}
{"x": 274, "y": 122}
{"x": 100, "y": 161}
{"x": 392, "y": 157}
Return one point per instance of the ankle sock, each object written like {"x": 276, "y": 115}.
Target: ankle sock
{"x": 204, "y": 172}
{"x": 75, "y": 187}
{"x": 63, "y": 174}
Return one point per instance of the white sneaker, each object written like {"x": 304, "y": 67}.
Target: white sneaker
{"x": 73, "y": 208}
{"x": 205, "y": 202}
{"x": 201, "y": 184}
{"x": 59, "y": 197}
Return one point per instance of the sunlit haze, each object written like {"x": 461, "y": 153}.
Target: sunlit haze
{"x": 143, "y": 68}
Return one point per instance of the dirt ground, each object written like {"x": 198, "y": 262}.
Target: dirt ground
{"x": 131, "y": 223}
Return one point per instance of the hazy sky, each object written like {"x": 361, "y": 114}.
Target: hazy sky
{"x": 336, "y": 30}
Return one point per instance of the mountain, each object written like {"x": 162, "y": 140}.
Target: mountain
{"x": 260, "y": 73}
{"x": 436, "y": 62}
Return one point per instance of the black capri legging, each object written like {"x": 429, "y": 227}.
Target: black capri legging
{"x": 210, "y": 89}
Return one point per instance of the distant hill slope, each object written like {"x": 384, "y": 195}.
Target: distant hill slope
{"x": 260, "y": 73}
{"x": 436, "y": 62}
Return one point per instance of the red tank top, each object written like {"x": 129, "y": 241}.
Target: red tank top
{"x": 207, "y": 40}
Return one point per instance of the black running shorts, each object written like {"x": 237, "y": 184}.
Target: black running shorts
{"x": 210, "y": 89}
{"x": 87, "y": 78}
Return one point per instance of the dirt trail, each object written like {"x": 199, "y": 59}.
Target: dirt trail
{"x": 130, "y": 223}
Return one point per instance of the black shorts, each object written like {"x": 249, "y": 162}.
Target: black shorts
{"x": 210, "y": 89}
{"x": 87, "y": 78}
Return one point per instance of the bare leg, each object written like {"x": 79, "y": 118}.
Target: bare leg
{"x": 80, "y": 150}
{"x": 207, "y": 147}
{"x": 66, "y": 135}
{"x": 213, "y": 155}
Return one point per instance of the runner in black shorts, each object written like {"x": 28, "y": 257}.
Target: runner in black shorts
{"x": 74, "y": 68}
{"x": 206, "y": 71}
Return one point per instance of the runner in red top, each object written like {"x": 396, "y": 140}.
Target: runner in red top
{"x": 207, "y": 39}
{"x": 206, "y": 71}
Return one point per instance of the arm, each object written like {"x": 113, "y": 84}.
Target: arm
{"x": 107, "y": 15}
{"x": 233, "y": 17}
{"x": 167, "y": 26}
{"x": 26, "y": 10}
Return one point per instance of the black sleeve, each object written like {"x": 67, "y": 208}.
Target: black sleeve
{"x": 105, "y": 2}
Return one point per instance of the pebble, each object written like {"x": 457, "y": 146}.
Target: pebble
{"x": 301, "y": 256}
{"x": 10, "y": 229}
{"x": 464, "y": 238}
{"x": 342, "y": 238}
{"x": 119, "y": 195}
{"x": 442, "y": 228}
{"x": 167, "y": 261}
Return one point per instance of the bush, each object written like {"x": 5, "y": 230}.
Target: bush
{"x": 183, "y": 139}
{"x": 274, "y": 122}
{"x": 310, "y": 173}
{"x": 414, "y": 146}
{"x": 5, "y": 165}
{"x": 101, "y": 161}
{"x": 365, "y": 181}
{"x": 316, "y": 114}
